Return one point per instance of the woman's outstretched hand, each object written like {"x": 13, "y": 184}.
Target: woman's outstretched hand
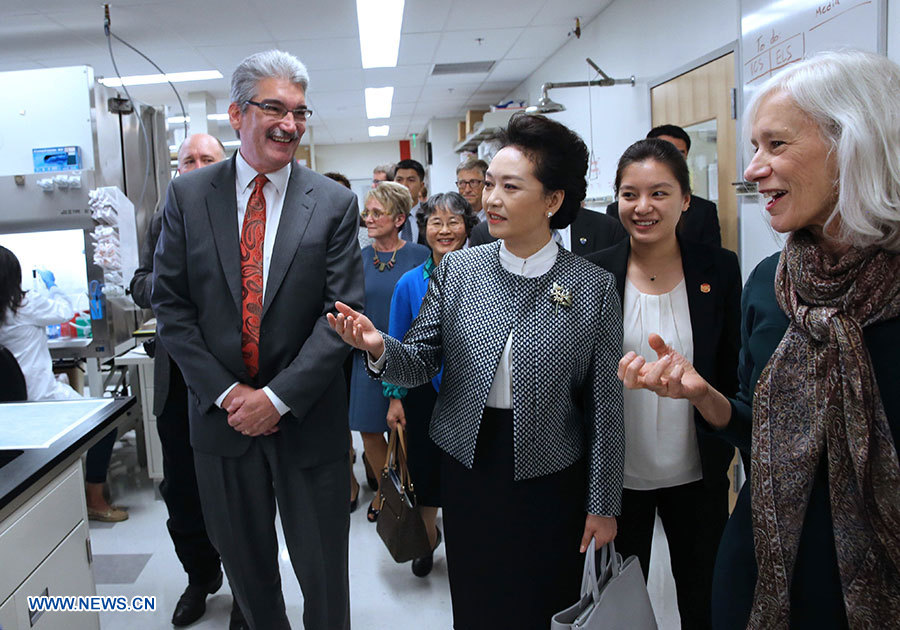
{"x": 671, "y": 375}
{"x": 357, "y": 330}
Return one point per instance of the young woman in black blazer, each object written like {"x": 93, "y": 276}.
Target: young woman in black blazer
{"x": 692, "y": 290}
{"x": 529, "y": 416}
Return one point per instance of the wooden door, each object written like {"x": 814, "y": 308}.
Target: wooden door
{"x": 700, "y": 101}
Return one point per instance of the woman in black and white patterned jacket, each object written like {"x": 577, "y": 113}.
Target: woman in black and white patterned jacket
{"x": 529, "y": 416}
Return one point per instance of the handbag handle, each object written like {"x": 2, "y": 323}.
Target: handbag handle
{"x": 591, "y": 582}
{"x": 396, "y": 458}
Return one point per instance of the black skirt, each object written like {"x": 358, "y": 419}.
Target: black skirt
{"x": 424, "y": 455}
{"x": 512, "y": 546}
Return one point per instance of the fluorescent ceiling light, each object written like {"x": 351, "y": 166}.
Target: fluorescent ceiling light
{"x": 378, "y": 102}
{"x": 379, "y": 31}
{"x": 152, "y": 79}
{"x": 380, "y": 130}
{"x": 179, "y": 120}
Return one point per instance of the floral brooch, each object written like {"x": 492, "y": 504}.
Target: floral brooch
{"x": 560, "y": 296}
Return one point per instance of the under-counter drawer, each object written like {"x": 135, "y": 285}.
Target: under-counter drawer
{"x": 33, "y": 531}
{"x": 65, "y": 572}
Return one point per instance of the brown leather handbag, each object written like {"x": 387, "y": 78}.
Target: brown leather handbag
{"x": 400, "y": 523}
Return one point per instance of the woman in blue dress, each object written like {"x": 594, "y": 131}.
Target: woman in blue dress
{"x": 447, "y": 220}
{"x": 384, "y": 262}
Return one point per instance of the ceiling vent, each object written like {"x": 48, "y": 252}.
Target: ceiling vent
{"x": 472, "y": 67}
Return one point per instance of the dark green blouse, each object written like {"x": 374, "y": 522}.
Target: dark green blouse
{"x": 816, "y": 597}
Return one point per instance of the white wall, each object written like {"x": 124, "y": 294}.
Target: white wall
{"x": 644, "y": 38}
{"x": 356, "y": 161}
{"x": 442, "y": 133}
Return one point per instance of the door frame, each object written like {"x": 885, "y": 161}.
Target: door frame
{"x": 737, "y": 104}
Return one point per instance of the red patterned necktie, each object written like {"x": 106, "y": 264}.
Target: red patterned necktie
{"x": 253, "y": 235}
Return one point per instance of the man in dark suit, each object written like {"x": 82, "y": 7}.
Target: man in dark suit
{"x": 170, "y": 406}
{"x": 700, "y": 222}
{"x": 253, "y": 253}
{"x": 411, "y": 174}
{"x": 590, "y": 232}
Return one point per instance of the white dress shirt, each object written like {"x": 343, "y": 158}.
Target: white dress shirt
{"x": 660, "y": 436}
{"x": 539, "y": 263}
{"x": 563, "y": 236}
{"x": 274, "y": 193}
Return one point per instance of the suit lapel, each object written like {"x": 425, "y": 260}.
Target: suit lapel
{"x": 221, "y": 206}
{"x": 295, "y": 215}
{"x": 582, "y": 237}
{"x": 702, "y": 293}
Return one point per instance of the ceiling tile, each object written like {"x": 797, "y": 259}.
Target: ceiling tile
{"x": 459, "y": 46}
{"x": 516, "y": 70}
{"x": 538, "y": 41}
{"x": 406, "y": 94}
{"x": 417, "y": 48}
{"x": 306, "y": 20}
{"x": 333, "y": 80}
{"x": 401, "y": 76}
{"x": 565, "y": 13}
{"x": 340, "y": 53}
{"x": 466, "y": 14}
{"x": 425, "y": 16}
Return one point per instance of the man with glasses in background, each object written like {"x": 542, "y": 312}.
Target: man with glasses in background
{"x": 470, "y": 183}
{"x": 382, "y": 173}
{"x": 253, "y": 252}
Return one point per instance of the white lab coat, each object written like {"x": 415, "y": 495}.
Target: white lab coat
{"x": 25, "y": 335}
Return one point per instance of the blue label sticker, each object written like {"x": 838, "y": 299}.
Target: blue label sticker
{"x": 56, "y": 159}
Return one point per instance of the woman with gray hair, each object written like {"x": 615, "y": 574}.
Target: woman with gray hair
{"x": 387, "y": 208}
{"x": 446, "y": 219}
{"x": 818, "y": 408}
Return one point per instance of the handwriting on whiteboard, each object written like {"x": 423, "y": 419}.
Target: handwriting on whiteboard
{"x": 775, "y": 53}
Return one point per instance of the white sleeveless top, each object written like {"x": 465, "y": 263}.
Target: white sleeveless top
{"x": 660, "y": 437}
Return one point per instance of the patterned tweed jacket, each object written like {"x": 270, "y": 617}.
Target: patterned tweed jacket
{"x": 567, "y": 341}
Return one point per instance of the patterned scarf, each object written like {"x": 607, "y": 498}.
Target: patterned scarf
{"x": 818, "y": 396}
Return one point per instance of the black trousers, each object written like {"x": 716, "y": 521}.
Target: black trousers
{"x": 179, "y": 486}
{"x": 693, "y": 516}
{"x": 239, "y": 496}
{"x": 96, "y": 462}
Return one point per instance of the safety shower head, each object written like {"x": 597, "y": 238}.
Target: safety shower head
{"x": 545, "y": 104}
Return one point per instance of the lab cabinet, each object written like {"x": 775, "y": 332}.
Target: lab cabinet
{"x": 44, "y": 550}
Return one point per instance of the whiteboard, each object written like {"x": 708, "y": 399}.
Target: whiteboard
{"x": 775, "y": 34}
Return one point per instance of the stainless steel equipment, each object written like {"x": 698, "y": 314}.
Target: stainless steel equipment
{"x": 104, "y": 126}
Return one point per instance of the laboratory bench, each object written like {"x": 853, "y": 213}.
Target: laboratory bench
{"x": 44, "y": 535}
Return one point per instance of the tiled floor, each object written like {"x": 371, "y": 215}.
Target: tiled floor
{"x": 136, "y": 558}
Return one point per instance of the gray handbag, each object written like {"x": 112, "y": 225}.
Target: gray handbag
{"x": 613, "y": 598}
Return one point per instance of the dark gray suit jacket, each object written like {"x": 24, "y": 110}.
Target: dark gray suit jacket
{"x": 197, "y": 300}
{"x": 700, "y": 223}
{"x": 591, "y": 231}
{"x": 141, "y": 288}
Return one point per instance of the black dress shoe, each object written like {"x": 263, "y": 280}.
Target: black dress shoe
{"x": 237, "y": 621}
{"x": 422, "y": 566}
{"x": 192, "y": 603}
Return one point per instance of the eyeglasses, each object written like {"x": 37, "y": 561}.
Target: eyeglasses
{"x": 452, "y": 223}
{"x": 277, "y": 111}
{"x": 375, "y": 214}
{"x": 471, "y": 183}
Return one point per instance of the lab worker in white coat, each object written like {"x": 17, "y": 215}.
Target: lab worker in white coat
{"x": 24, "y": 317}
